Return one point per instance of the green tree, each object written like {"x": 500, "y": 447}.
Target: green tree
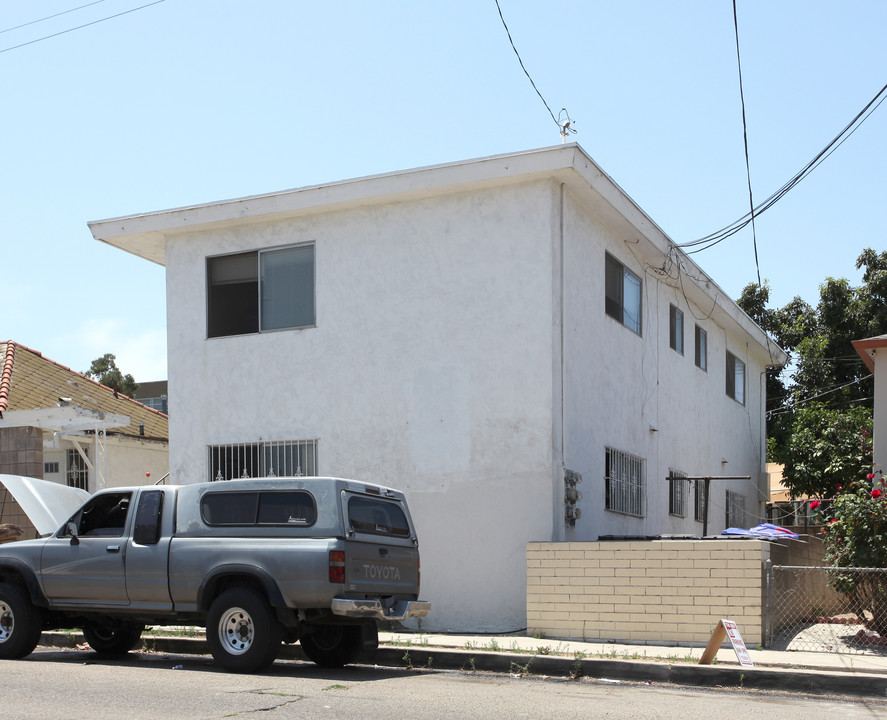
{"x": 105, "y": 371}
{"x": 824, "y": 452}
{"x": 824, "y": 368}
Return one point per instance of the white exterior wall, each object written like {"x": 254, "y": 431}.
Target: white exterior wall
{"x": 429, "y": 370}
{"x": 879, "y": 432}
{"x": 463, "y": 354}
{"x": 129, "y": 460}
{"x": 620, "y": 386}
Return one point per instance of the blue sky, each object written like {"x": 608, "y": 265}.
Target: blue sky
{"x": 193, "y": 101}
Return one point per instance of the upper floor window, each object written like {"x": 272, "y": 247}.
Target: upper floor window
{"x": 735, "y": 378}
{"x": 623, "y": 294}
{"x": 701, "y": 348}
{"x": 259, "y": 291}
{"x": 676, "y": 329}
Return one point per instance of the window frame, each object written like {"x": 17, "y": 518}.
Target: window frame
{"x": 626, "y": 493}
{"x": 254, "y": 320}
{"x": 676, "y": 329}
{"x": 254, "y": 498}
{"x": 701, "y": 348}
{"x": 735, "y": 371}
{"x": 734, "y": 510}
{"x": 677, "y": 493}
{"x": 616, "y": 275}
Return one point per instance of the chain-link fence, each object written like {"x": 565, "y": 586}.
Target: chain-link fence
{"x": 827, "y": 609}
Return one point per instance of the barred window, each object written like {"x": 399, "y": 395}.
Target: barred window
{"x": 735, "y": 507}
{"x": 76, "y": 469}
{"x": 677, "y": 493}
{"x": 624, "y": 483}
{"x": 699, "y": 514}
{"x": 287, "y": 458}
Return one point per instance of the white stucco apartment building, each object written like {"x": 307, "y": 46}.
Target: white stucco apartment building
{"x": 467, "y": 333}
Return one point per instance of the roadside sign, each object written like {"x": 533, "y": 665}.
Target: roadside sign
{"x": 726, "y": 629}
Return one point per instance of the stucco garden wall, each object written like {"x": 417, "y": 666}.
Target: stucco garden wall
{"x": 668, "y": 591}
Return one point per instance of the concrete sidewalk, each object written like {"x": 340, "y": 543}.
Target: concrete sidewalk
{"x": 860, "y": 675}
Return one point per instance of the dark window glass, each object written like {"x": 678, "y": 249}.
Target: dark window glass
{"x": 229, "y": 508}
{"x": 735, "y": 378}
{"x": 701, "y": 348}
{"x": 676, "y": 329}
{"x": 147, "y": 529}
{"x": 287, "y": 508}
{"x": 233, "y": 295}
{"x": 623, "y": 294}
{"x": 104, "y": 516}
{"x": 377, "y": 517}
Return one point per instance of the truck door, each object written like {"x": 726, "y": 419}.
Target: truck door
{"x": 88, "y": 566}
{"x": 147, "y": 551}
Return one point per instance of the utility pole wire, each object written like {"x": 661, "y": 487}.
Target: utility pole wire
{"x": 80, "y": 27}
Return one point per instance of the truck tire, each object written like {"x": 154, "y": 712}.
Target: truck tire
{"x": 242, "y": 631}
{"x": 20, "y": 623}
{"x": 332, "y": 646}
{"x": 113, "y": 640}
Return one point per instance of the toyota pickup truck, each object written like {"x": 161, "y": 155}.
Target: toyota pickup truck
{"x": 257, "y": 562}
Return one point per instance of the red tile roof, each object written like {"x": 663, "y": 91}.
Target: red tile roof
{"x": 29, "y": 381}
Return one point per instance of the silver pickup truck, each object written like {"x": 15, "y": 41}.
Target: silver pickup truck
{"x": 258, "y": 562}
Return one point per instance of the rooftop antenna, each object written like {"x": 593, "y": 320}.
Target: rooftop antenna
{"x": 565, "y": 123}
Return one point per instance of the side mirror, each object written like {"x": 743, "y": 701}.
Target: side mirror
{"x": 71, "y": 530}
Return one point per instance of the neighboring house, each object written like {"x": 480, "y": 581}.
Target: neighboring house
{"x": 59, "y": 425}
{"x": 154, "y": 394}
{"x": 478, "y": 334}
{"x": 876, "y": 362}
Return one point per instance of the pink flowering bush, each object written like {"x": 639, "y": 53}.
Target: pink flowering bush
{"x": 856, "y": 537}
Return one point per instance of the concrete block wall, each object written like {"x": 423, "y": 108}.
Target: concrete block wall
{"x": 660, "y": 591}
{"x": 21, "y": 451}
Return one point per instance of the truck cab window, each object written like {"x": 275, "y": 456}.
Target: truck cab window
{"x": 103, "y": 516}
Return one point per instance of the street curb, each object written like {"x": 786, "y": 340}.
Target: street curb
{"x": 648, "y": 671}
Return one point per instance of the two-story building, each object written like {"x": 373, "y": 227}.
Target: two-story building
{"x": 479, "y": 334}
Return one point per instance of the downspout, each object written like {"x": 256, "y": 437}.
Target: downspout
{"x": 558, "y": 525}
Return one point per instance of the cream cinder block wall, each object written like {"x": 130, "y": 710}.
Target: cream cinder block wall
{"x": 669, "y": 591}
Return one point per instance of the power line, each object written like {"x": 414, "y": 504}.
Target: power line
{"x": 565, "y": 125}
{"x": 709, "y": 241}
{"x": 50, "y": 17}
{"x": 751, "y": 202}
{"x": 80, "y": 27}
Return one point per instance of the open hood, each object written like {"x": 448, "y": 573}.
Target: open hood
{"x": 47, "y": 504}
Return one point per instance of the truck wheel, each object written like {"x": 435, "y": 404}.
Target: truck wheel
{"x": 242, "y": 631}
{"x": 20, "y": 623}
{"x": 113, "y": 640}
{"x": 332, "y": 646}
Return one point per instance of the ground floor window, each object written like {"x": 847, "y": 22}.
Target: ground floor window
{"x": 735, "y": 507}
{"x": 76, "y": 469}
{"x": 699, "y": 513}
{"x": 286, "y": 458}
{"x": 677, "y": 493}
{"x": 625, "y": 488}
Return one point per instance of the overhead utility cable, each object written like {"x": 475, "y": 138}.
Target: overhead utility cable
{"x": 80, "y": 27}
{"x": 50, "y": 17}
{"x": 751, "y": 202}
{"x": 704, "y": 243}
{"x": 564, "y": 124}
